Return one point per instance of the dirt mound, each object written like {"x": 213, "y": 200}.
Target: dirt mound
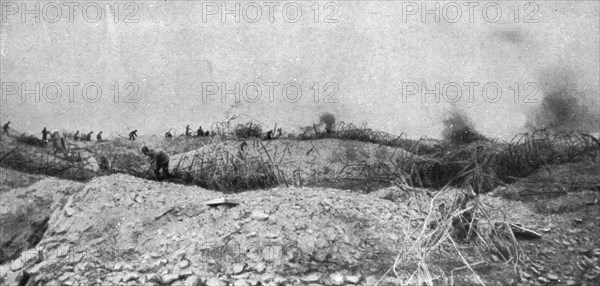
{"x": 122, "y": 228}
{"x": 24, "y": 213}
{"x": 146, "y": 225}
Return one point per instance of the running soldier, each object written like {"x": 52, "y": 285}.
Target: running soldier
{"x": 132, "y": 135}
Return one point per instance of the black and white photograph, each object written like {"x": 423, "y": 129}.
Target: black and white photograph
{"x": 299, "y": 142}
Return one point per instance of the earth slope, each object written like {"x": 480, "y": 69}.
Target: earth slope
{"x": 124, "y": 230}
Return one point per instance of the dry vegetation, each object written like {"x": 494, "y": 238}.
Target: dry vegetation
{"x": 452, "y": 217}
{"x": 464, "y": 159}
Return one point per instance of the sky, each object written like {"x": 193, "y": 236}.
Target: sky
{"x": 172, "y": 61}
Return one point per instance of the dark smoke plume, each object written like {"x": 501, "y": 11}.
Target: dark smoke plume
{"x": 562, "y": 108}
{"x": 459, "y": 129}
{"x": 329, "y": 120}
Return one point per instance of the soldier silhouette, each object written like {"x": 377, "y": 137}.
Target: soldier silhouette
{"x": 160, "y": 159}
{"x": 5, "y": 127}
{"x": 132, "y": 134}
{"x": 45, "y": 133}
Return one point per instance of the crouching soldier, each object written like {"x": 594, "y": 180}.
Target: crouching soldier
{"x": 132, "y": 135}
{"x": 160, "y": 159}
{"x": 269, "y": 135}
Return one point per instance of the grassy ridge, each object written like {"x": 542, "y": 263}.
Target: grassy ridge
{"x": 480, "y": 164}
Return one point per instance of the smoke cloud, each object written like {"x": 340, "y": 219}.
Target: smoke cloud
{"x": 563, "y": 107}
{"x": 459, "y": 129}
{"x": 328, "y": 119}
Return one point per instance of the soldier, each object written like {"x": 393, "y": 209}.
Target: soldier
{"x": 160, "y": 159}
{"x": 6, "y": 127}
{"x": 200, "y": 132}
{"x": 187, "y": 130}
{"x": 269, "y": 135}
{"x": 88, "y": 137}
{"x": 242, "y": 150}
{"x": 279, "y": 133}
{"x": 207, "y": 134}
{"x": 59, "y": 143}
{"x": 132, "y": 134}
{"x": 168, "y": 134}
{"x": 45, "y": 133}
{"x": 99, "y": 137}
{"x": 76, "y": 136}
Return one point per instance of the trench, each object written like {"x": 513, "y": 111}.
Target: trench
{"x": 23, "y": 230}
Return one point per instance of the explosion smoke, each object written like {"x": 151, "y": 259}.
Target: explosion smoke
{"x": 329, "y": 120}
{"x": 459, "y": 129}
{"x": 561, "y": 108}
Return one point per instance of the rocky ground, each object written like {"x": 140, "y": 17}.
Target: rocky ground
{"x": 567, "y": 199}
{"x": 125, "y": 230}
{"x": 122, "y": 230}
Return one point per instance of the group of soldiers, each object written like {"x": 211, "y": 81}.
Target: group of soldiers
{"x": 46, "y": 132}
{"x": 159, "y": 158}
{"x": 88, "y": 137}
{"x": 199, "y": 132}
{"x": 58, "y": 139}
{"x": 85, "y": 137}
{"x": 133, "y": 134}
